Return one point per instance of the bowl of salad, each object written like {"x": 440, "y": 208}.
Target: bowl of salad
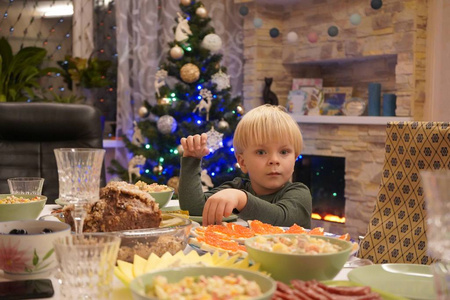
{"x": 299, "y": 256}
{"x": 197, "y": 282}
{"x": 160, "y": 192}
{"x": 14, "y": 207}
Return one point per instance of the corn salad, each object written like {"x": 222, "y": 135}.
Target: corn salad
{"x": 14, "y": 200}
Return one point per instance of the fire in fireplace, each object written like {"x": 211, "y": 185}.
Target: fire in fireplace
{"x": 325, "y": 177}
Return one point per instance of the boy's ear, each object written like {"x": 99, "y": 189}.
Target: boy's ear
{"x": 241, "y": 162}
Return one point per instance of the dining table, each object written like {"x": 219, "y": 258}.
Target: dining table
{"x": 122, "y": 292}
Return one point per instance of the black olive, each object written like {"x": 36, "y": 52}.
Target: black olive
{"x": 46, "y": 230}
{"x": 18, "y": 231}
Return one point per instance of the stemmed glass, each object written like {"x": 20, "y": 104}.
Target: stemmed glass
{"x": 79, "y": 171}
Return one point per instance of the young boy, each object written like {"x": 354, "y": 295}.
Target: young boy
{"x": 267, "y": 141}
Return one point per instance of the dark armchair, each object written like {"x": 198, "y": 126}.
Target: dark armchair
{"x": 30, "y": 131}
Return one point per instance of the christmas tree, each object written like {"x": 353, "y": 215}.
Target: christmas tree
{"x": 199, "y": 101}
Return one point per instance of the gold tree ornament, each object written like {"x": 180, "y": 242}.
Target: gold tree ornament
{"x": 201, "y": 12}
{"x": 185, "y": 2}
{"x": 176, "y": 52}
{"x": 240, "y": 110}
{"x": 143, "y": 112}
{"x": 189, "y": 73}
{"x": 223, "y": 125}
{"x": 164, "y": 101}
{"x": 173, "y": 183}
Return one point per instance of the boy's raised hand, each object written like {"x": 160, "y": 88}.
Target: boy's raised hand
{"x": 195, "y": 146}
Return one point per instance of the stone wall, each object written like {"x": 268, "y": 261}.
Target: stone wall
{"x": 388, "y": 46}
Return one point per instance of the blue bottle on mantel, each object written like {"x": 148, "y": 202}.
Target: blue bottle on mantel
{"x": 374, "y": 98}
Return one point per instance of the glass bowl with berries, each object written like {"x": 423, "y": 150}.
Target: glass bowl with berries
{"x": 21, "y": 207}
{"x": 26, "y": 247}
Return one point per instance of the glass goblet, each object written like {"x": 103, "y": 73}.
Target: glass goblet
{"x": 79, "y": 171}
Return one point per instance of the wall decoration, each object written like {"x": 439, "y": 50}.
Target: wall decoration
{"x": 334, "y": 99}
{"x": 292, "y": 37}
{"x": 257, "y": 22}
{"x": 312, "y": 37}
{"x": 333, "y": 31}
{"x": 355, "y": 19}
{"x": 243, "y": 10}
{"x": 376, "y": 4}
{"x": 274, "y": 32}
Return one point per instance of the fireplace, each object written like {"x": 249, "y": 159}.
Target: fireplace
{"x": 325, "y": 177}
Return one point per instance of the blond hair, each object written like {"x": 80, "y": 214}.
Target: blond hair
{"x": 264, "y": 124}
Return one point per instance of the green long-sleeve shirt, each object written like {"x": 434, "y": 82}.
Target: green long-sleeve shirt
{"x": 291, "y": 204}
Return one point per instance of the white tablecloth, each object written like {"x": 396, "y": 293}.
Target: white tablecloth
{"x": 121, "y": 292}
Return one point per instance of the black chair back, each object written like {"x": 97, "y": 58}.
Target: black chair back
{"x": 30, "y": 131}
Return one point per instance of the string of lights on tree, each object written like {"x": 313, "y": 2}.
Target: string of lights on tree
{"x": 199, "y": 102}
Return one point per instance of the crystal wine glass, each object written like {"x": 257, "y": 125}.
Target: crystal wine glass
{"x": 79, "y": 171}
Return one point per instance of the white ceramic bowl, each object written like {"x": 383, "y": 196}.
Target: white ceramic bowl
{"x": 26, "y": 256}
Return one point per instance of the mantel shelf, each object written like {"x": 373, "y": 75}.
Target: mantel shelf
{"x": 355, "y": 120}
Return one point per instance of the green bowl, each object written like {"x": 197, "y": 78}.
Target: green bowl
{"x": 21, "y": 211}
{"x": 285, "y": 267}
{"x": 139, "y": 284}
{"x": 162, "y": 198}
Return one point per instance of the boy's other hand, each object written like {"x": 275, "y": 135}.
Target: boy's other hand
{"x": 195, "y": 146}
{"x": 221, "y": 204}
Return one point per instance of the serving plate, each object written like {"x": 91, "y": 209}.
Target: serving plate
{"x": 384, "y": 295}
{"x": 198, "y": 219}
{"x": 406, "y": 280}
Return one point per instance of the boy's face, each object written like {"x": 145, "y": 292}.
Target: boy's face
{"x": 269, "y": 166}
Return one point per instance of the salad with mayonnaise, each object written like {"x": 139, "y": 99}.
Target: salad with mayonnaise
{"x": 294, "y": 244}
{"x": 229, "y": 287}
